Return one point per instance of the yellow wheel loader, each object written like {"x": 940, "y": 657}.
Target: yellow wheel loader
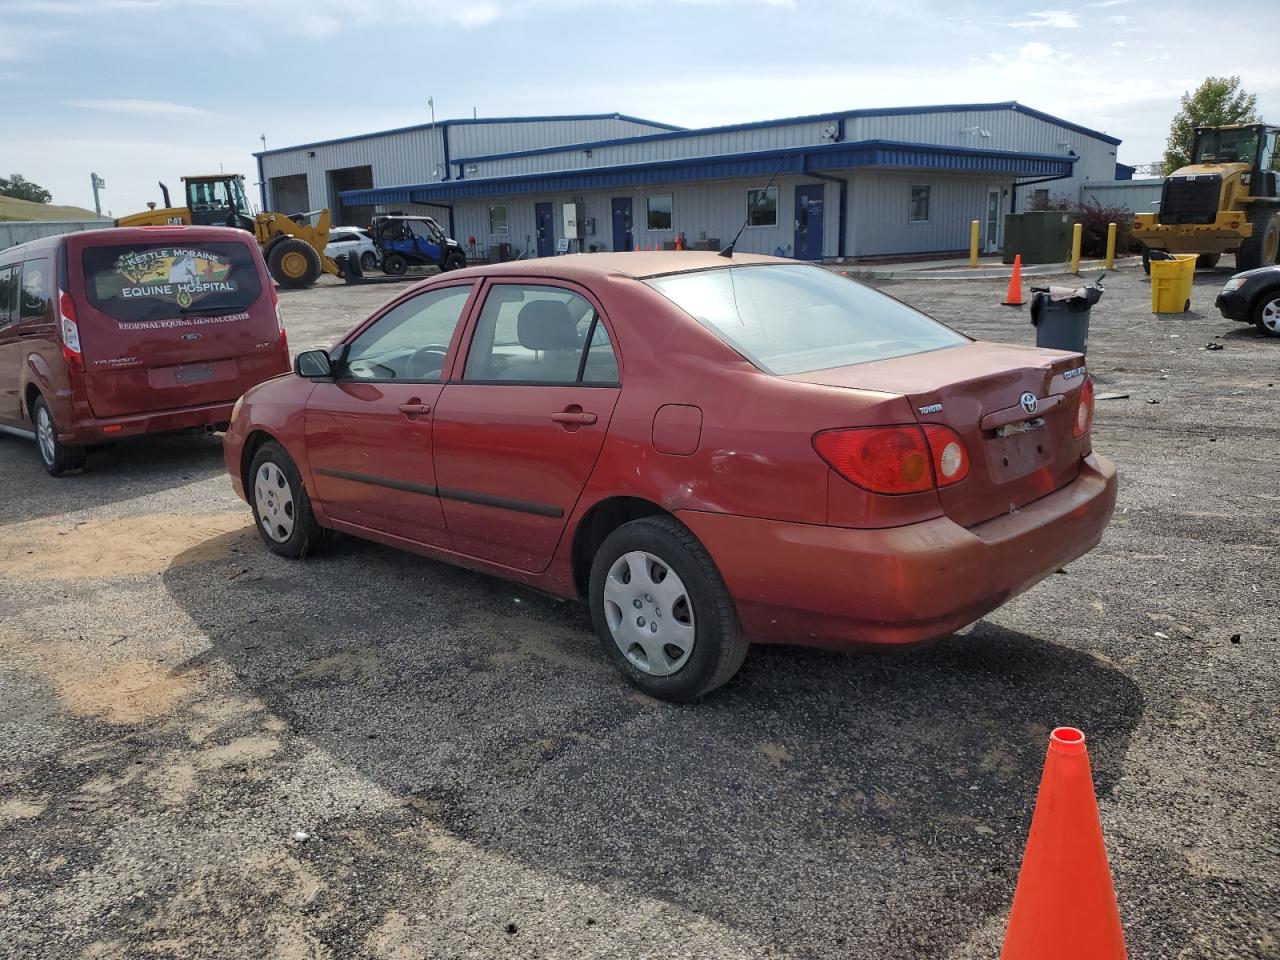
{"x": 294, "y": 251}
{"x": 1225, "y": 201}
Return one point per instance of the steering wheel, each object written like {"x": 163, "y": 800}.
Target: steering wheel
{"x": 427, "y": 361}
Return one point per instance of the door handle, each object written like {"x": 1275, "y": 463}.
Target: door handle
{"x": 415, "y": 410}
{"x": 576, "y": 418}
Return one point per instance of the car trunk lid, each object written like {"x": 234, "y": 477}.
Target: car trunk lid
{"x": 1019, "y": 451}
{"x": 173, "y": 322}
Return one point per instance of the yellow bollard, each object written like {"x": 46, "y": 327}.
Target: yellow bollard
{"x": 1111, "y": 246}
{"x": 1077, "y": 233}
{"x": 973, "y": 243}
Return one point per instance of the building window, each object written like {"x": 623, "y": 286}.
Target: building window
{"x": 659, "y": 213}
{"x": 498, "y": 221}
{"x": 762, "y": 207}
{"x": 919, "y": 204}
{"x": 1040, "y": 199}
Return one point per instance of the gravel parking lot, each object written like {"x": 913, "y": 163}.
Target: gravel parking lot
{"x": 208, "y": 751}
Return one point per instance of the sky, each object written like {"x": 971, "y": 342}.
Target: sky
{"x": 144, "y": 90}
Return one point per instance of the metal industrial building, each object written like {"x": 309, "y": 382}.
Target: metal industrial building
{"x": 858, "y": 183}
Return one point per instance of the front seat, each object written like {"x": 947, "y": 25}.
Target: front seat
{"x": 545, "y": 326}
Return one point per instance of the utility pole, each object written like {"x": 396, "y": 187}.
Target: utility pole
{"x": 431, "y": 105}
{"x": 263, "y": 138}
{"x": 98, "y": 184}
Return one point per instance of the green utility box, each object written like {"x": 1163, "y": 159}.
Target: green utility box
{"x": 1041, "y": 236}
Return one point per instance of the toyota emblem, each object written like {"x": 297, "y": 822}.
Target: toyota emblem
{"x": 1030, "y": 403}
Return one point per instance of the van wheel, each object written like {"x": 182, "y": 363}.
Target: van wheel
{"x": 58, "y": 457}
{"x": 662, "y": 612}
{"x": 281, "y": 508}
{"x": 395, "y": 265}
{"x": 294, "y": 263}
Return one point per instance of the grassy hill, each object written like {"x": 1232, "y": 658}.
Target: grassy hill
{"x": 11, "y": 209}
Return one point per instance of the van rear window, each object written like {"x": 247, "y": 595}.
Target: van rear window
{"x": 154, "y": 282}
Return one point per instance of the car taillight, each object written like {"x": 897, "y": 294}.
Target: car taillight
{"x": 879, "y": 459}
{"x": 1084, "y": 409}
{"x": 70, "y": 330}
{"x": 950, "y": 455}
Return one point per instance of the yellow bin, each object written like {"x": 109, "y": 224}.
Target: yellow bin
{"x": 1171, "y": 283}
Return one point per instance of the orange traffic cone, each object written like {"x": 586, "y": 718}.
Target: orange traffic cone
{"x": 1014, "y": 297}
{"x": 1065, "y": 906}
{"x": 680, "y": 242}
{"x": 637, "y": 248}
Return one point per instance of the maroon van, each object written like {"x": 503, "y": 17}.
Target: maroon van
{"x": 107, "y": 334}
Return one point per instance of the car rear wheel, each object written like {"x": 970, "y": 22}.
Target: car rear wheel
{"x": 281, "y": 508}
{"x": 1266, "y": 314}
{"x": 662, "y": 611}
{"x": 58, "y": 457}
{"x": 395, "y": 265}
{"x": 368, "y": 261}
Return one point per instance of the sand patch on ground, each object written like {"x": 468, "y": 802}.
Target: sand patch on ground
{"x": 130, "y": 692}
{"x": 17, "y": 808}
{"x": 65, "y": 548}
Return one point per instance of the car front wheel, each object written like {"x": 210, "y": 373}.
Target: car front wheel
{"x": 1267, "y": 313}
{"x": 662, "y": 611}
{"x": 281, "y": 507}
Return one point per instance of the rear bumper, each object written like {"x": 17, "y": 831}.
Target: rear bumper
{"x": 837, "y": 587}
{"x": 155, "y": 421}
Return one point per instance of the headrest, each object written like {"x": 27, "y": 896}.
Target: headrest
{"x": 546, "y": 325}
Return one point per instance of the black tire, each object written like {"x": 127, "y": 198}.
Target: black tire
{"x": 1146, "y": 260}
{"x": 395, "y": 265}
{"x": 57, "y": 457}
{"x": 368, "y": 261}
{"x": 1262, "y": 248}
{"x": 1207, "y": 261}
{"x": 455, "y": 261}
{"x": 718, "y": 646}
{"x": 1266, "y": 312}
{"x": 293, "y": 263}
{"x": 270, "y": 465}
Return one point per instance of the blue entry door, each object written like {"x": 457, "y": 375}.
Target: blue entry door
{"x": 546, "y": 229}
{"x": 808, "y": 241}
{"x": 622, "y": 239}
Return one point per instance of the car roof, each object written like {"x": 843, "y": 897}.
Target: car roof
{"x": 114, "y": 235}
{"x": 639, "y": 265}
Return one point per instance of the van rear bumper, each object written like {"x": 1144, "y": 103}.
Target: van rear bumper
{"x": 153, "y": 421}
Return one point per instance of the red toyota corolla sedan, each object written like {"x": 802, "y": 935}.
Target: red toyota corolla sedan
{"x": 710, "y": 451}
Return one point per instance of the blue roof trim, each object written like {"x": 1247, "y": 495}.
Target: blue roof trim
{"x": 678, "y": 134}
{"x": 798, "y": 160}
{"x": 466, "y": 122}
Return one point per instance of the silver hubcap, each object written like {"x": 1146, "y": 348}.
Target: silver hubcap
{"x": 1271, "y": 316}
{"x": 45, "y": 434}
{"x": 274, "y": 499}
{"x": 649, "y": 613}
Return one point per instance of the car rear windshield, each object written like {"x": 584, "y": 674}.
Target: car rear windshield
{"x": 149, "y": 282}
{"x": 796, "y": 319}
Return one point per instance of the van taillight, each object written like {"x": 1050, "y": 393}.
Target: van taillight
{"x": 895, "y": 460}
{"x": 70, "y": 330}
{"x": 1084, "y": 409}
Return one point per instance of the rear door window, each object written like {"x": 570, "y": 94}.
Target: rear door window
{"x": 9, "y": 280}
{"x": 36, "y": 291}
{"x": 153, "y": 282}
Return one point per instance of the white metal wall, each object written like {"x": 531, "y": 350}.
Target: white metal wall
{"x": 14, "y": 232}
{"x": 1140, "y": 196}
{"x": 880, "y": 212}
{"x": 417, "y": 156}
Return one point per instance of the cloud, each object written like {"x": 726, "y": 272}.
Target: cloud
{"x": 1053, "y": 19}
{"x": 152, "y": 108}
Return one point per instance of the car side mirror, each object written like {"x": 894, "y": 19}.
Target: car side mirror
{"x": 313, "y": 365}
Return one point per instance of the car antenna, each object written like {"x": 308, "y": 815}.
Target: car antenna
{"x": 728, "y": 251}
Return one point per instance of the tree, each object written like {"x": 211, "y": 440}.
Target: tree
{"x": 19, "y": 187}
{"x": 1217, "y": 101}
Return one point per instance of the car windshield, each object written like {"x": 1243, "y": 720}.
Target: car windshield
{"x": 795, "y": 319}
{"x": 1227, "y": 146}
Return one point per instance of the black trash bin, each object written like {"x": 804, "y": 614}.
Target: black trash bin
{"x": 1061, "y": 315}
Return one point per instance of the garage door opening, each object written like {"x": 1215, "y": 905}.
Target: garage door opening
{"x": 349, "y": 178}
{"x": 288, "y": 194}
